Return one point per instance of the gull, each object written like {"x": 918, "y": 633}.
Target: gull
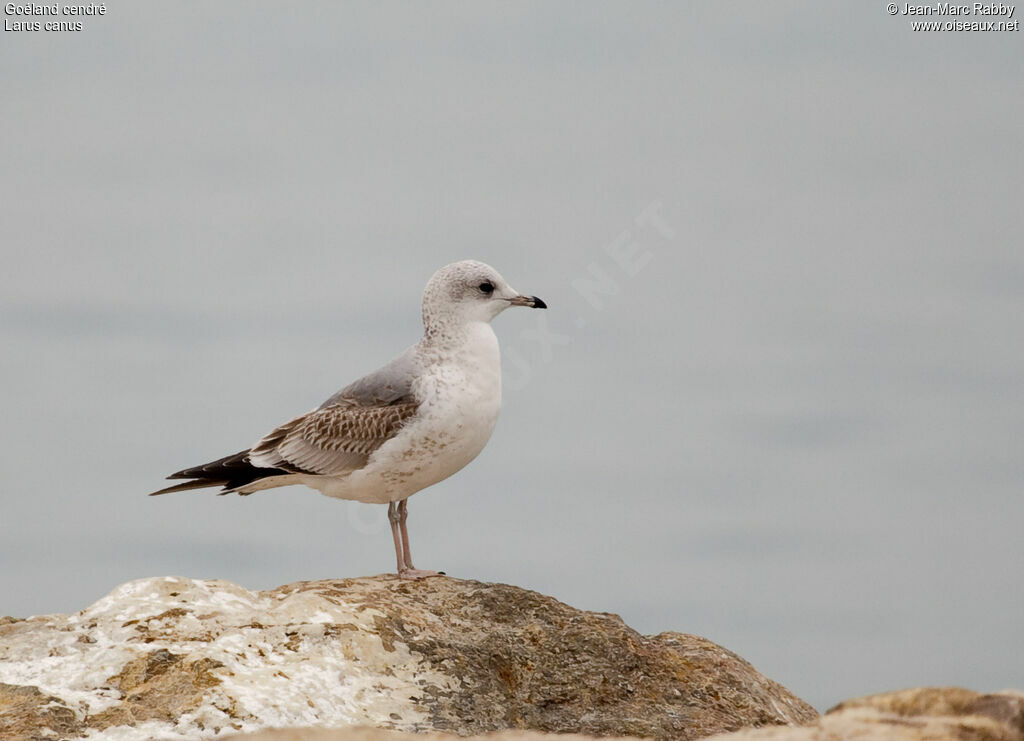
{"x": 404, "y": 427}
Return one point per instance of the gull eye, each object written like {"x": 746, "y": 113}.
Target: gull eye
{"x": 486, "y": 287}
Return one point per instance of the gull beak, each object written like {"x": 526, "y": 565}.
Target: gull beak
{"x": 532, "y": 301}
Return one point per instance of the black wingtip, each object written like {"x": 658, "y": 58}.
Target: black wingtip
{"x": 538, "y": 303}
{"x": 186, "y": 486}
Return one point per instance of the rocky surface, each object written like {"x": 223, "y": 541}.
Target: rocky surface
{"x": 363, "y": 733}
{"x": 179, "y": 658}
{"x": 924, "y": 714}
{"x": 929, "y": 714}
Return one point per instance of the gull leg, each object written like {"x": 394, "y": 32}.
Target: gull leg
{"x": 393, "y": 519}
{"x": 409, "y": 571}
{"x": 403, "y": 514}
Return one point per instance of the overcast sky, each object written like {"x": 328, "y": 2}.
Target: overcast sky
{"x": 778, "y": 398}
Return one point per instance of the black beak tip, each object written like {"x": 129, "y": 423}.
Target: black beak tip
{"x": 538, "y": 303}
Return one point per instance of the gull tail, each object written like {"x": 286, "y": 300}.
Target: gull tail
{"x": 232, "y": 472}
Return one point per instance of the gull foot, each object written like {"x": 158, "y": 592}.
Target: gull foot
{"x": 418, "y": 574}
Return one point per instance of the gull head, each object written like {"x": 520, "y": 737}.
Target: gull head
{"x": 470, "y": 291}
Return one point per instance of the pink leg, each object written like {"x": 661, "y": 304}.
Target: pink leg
{"x": 409, "y": 571}
{"x": 393, "y": 519}
{"x": 403, "y": 514}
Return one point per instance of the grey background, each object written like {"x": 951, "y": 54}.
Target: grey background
{"x": 793, "y": 425}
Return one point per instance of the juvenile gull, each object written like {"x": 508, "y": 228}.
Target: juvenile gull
{"x": 408, "y": 425}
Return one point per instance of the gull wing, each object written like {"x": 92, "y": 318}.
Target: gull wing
{"x": 334, "y": 439}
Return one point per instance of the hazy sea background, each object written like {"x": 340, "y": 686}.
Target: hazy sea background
{"x": 778, "y": 399}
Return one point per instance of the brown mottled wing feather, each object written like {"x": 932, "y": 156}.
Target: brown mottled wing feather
{"x": 333, "y": 439}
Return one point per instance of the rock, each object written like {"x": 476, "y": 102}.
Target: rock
{"x": 26, "y": 713}
{"x": 924, "y": 714}
{"x": 362, "y": 733}
{"x": 178, "y": 658}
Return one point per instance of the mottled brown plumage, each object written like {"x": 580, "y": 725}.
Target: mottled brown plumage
{"x": 333, "y": 439}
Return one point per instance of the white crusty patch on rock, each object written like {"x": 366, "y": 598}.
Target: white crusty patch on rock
{"x": 281, "y": 660}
